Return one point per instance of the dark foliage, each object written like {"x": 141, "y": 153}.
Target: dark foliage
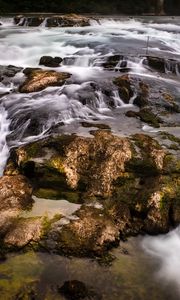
{"x": 84, "y": 6}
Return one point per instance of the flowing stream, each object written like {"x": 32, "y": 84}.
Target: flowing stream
{"x": 152, "y": 268}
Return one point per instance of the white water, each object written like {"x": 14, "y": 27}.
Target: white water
{"x": 166, "y": 249}
{"x": 84, "y": 49}
{"x": 4, "y": 131}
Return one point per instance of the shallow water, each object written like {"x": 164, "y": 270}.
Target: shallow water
{"x": 131, "y": 276}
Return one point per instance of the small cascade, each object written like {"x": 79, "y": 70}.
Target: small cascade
{"x": 6, "y": 22}
{"x": 82, "y": 61}
{"x": 118, "y": 102}
{"x": 172, "y": 67}
{"x": 100, "y": 103}
{"x": 44, "y": 23}
{"x": 4, "y": 131}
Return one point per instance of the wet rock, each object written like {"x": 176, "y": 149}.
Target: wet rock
{"x": 135, "y": 180}
{"x": 15, "y": 197}
{"x": 124, "y": 86}
{"x": 15, "y": 193}
{"x": 28, "y": 71}
{"x": 90, "y": 234}
{"x": 112, "y": 62}
{"x": 9, "y": 71}
{"x": 38, "y": 80}
{"x": 147, "y": 116}
{"x": 68, "y": 20}
{"x": 163, "y": 65}
{"x": 131, "y": 114}
{"x": 157, "y": 104}
{"x": 97, "y": 125}
{"x": 170, "y": 103}
{"x": 49, "y": 61}
{"x": 24, "y": 232}
{"x": 28, "y": 21}
{"x": 156, "y": 63}
{"x": 142, "y": 99}
{"x": 92, "y": 165}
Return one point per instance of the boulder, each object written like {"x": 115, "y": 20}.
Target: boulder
{"x": 127, "y": 186}
{"x": 49, "y": 61}
{"x": 9, "y": 71}
{"x": 38, "y": 80}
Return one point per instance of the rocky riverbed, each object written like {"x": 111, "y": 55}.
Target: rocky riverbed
{"x": 90, "y": 142}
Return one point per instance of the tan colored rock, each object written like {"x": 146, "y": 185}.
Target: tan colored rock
{"x": 24, "y": 232}
{"x": 15, "y": 193}
{"x": 101, "y": 159}
{"x": 38, "y": 80}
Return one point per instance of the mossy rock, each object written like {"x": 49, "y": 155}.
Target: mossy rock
{"x": 170, "y": 137}
{"x": 143, "y": 161}
{"x": 147, "y": 116}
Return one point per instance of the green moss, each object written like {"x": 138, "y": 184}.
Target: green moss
{"x": 56, "y": 162}
{"x": 19, "y": 276}
{"x": 145, "y": 167}
{"x": 34, "y": 150}
{"x": 142, "y": 162}
{"x": 47, "y": 223}
{"x": 149, "y": 117}
{"x": 145, "y": 142}
{"x": 171, "y": 164}
{"x": 54, "y": 194}
{"x": 170, "y": 137}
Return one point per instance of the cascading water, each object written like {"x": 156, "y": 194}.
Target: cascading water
{"x": 84, "y": 51}
{"x": 4, "y": 131}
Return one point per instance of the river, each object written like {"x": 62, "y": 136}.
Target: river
{"x": 149, "y": 268}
